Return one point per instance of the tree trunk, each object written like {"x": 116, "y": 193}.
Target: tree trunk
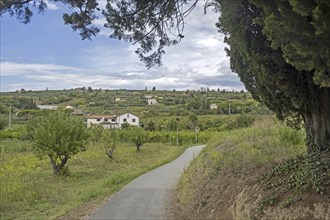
{"x": 57, "y": 167}
{"x": 317, "y": 119}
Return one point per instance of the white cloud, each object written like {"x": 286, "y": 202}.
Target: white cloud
{"x": 198, "y": 61}
{"x": 16, "y": 69}
{"x": 51, "y": 5}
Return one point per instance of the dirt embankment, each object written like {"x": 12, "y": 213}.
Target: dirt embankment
{"x": 238, "y": 193}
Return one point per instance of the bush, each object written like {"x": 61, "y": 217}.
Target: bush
{"x": 3, "y": 124}
{"x": 17, "y": 133}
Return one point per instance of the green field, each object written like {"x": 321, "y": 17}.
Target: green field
{"x": 29, "y": 190}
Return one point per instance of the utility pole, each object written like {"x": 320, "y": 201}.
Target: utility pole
{"x": 9, "y": 120}
{"x": 177, "y": 131}
{"x": 177, "y": 136}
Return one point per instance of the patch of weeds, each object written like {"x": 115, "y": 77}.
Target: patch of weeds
{"x": 290, "y": 136}
{"x": 288, "y": 180}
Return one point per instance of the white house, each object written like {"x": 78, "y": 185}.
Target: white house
{"x": 213, "y": 106}
{"x": 47, "y": 107}
{"x": 113, "y": 121}
{"x": 152, "y": 101}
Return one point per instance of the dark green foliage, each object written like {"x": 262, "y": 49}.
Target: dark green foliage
{"x": 288, "y": 180}
{"x": 82, "y": 19}
{"x": 300, "y": 29}
{"x": 256, "y": 54}
{"x": 21, "y": 9}
{"x": 152, "y": 24}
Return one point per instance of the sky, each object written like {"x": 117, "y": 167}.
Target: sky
{"x": 47, "y": 54}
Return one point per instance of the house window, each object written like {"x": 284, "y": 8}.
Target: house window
{"x": 98, "y": 119}
{"x": 125, "y": 120}
{"x": 127, "y": 115}
{"x": 133, "y": 120}
{"x": 113, "y": 120}
{"x": 105, "y": 119}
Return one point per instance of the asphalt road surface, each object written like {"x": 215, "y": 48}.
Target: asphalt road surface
{"x": 148, "y": 196}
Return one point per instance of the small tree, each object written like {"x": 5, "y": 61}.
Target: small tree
{"x": 151, "y": 126}
{"x": 95, "y": 132}
{"x": 125, "y": 125}
{"x": 138, "y": 136}
{"x": 192, "y": 121}
{"x": 110, "y": 140}
{"x": 59, "y": 137}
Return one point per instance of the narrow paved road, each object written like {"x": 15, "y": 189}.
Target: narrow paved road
{"x": 148, "y": 196}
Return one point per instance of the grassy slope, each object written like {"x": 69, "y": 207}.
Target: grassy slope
{"x": 30, "y": 191}
{"x": 226, "y": 182}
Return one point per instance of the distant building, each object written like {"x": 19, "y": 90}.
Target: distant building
{"x": 152, "y": 101}
{"x": 113, "y": 121}
{"x": 213, "y": 106}
{"x": 47, "y": 107}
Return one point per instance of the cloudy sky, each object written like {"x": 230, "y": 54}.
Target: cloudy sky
{"x": 47, "y": 54}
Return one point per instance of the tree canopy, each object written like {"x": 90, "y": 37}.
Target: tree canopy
{"x": 260, "y": 54}
{"x": 301, "y": 30}
{"x": 59, "y": 137}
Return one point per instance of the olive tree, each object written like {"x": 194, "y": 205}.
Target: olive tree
{"x": 59, "y": 136}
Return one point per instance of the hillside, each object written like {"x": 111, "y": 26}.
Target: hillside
{"x": 256, "y": 173}
{"x": 103, "y": 101}
{"x": 169, "y": 103}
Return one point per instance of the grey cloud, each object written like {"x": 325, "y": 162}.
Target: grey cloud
{"x": 198, "y": 61}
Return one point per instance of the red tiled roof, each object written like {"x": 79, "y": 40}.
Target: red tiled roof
{"x": 100, "y": 116}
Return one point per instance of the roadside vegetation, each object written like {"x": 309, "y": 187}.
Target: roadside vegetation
{"x": 257, "y": 172}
